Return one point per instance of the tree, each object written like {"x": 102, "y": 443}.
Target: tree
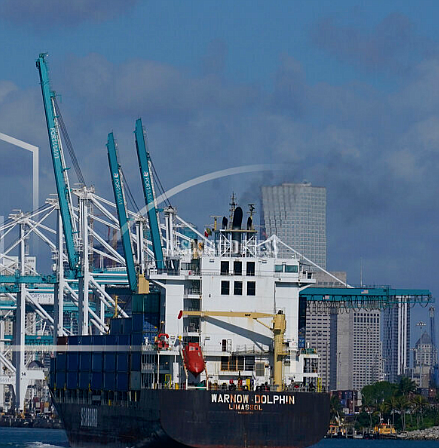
{"x": 419, "y": 403}
{"x": 335, "y": 408}
{"x": 403, "y": 405}
{"x": 406, "y": 386}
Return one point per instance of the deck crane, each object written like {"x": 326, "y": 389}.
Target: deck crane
{"x": 61, "y": 179}
{"x": 137, "y": 283}
{"x": 148, "y": 192}
{"x": 278, "y": 326}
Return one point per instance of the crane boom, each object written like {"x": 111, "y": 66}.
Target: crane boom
{"x": 148, "y": 192}
{"x": 62, "y": 184}
{"x": 119, "y": 198}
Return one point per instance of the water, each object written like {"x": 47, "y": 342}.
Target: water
{"x": 32, "y": 438}
{"x": 56, "y": 438}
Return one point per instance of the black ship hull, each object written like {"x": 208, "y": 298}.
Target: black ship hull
{"x": 199, "y": 418}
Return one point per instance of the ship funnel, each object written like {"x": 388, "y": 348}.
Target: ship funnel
{"x": 236, "y": 227}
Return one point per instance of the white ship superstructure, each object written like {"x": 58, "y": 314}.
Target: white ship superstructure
{"x": 229, "y": 289}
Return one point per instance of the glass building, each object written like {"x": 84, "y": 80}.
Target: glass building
{"x": 296, "y": 213}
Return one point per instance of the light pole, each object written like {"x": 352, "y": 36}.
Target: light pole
{"x": 421, "y": 325}
{"x": 35, "y": 169}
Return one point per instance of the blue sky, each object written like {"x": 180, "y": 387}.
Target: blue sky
{"x": 344, "y": 94}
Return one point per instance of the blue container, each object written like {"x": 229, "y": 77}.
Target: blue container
{"x": 98, "y": 341}
{"x": 135, "y": 380}
{"x": 72, "y": 380}
{"x": 122, "y": 381}
{"x": 136, "y": 360}
{"x": 74, "y": 340}
{"x": 115, "y": 326}
{"x": 84, "y": 380}
{"x": 127, "y": 325}
{"x": 96, "y": 381}
{"x": 136, "y": 339}
{"x": 122, "y": 362}
{"x": 137, "y": 323}
{"x": 61, "y": 361}
{"x": 124, "y": 341}
{"x": 110, "y": 362}
{"x": 72, "y": 361}
{"x": 97, "y": 361}
{"x": 109, "y": 381}
{"x": 111, "y": 339}
{"x": 87, "y": 340}
{"x": 85, "y": 361}
{"x": 52, "y": 365}
{"x": 60, "y": 380}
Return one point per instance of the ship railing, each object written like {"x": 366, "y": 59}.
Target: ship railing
{"x": 249, "y": 349}
{"x": 193, "y": 291}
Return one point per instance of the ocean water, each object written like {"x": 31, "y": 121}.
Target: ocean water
{"x": 56, "y": 438}
{"x": 32, "y": 438}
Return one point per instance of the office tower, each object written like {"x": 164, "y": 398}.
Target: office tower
{"x": 296, "y": 213}
{"x": 321, "y": 329}
{"x": 396, "y": 341}
{"x": 424, "y": 360}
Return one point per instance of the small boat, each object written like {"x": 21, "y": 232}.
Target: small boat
{"x": 193, "y": 358}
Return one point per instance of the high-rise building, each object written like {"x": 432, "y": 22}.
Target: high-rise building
{"x": 396, "y": 341}
{"x": 296, "y": 213}
{"x": 424, "y": 360}
{"x": 347, "y": 341}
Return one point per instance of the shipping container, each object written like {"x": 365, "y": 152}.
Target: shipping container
{"x": 75, "y": 340}
{"x": 60, "y": 379}
{"x": 136, "y": 360}
{"x": 72, "y": 380}
{"x": 87, "y": 340}
{"x": 122, "y": 362}
{"x": 115, "y": 326}
{"x": 135, "y": 380}
{"x": 98, "y": 341}
{"x": 61, "y": 361}
{"x": 124, "y": 342}
{"x": 126, "y": 326}
{"x": 84, "y": 380}
{"x": 110, "y": 362}
{"x": 122, "y": 381}
{"x": 109, "y": 381}
{"x": 136, "y": 339}
{"x": 85, "y": 361}
{"x": 97, "y": 360}
{"x": 137, "y": 323}
{"x": 146, "y": 303}
{"x": 72, "y": 361}
{"x": 111, "y": 340}
{"x": 96, "y": 381}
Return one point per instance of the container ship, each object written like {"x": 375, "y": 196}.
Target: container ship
{"x": 212, "y": 354}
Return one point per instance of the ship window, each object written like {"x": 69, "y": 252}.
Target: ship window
{"x": 249, "y": 362}
{"x": 237, "y": 267}
{"x": 237, "y": 288}
{"x": 225, "y": 288}
{"x": 251, "y": 268}
{"x": 292, "y": 268}
{"x": 240, "y": 363}
{"x": 251, "y": 288}
{"x": 224, "y": 268}
{"x": 260, "y": 369}
{"x": 224, "y": 362}
{"x": 224, "y": 346}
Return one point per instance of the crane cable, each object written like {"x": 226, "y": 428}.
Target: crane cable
{"x": 69, "y": 144}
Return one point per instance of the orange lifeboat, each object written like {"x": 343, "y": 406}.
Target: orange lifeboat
{"x": 193, "y": 358}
